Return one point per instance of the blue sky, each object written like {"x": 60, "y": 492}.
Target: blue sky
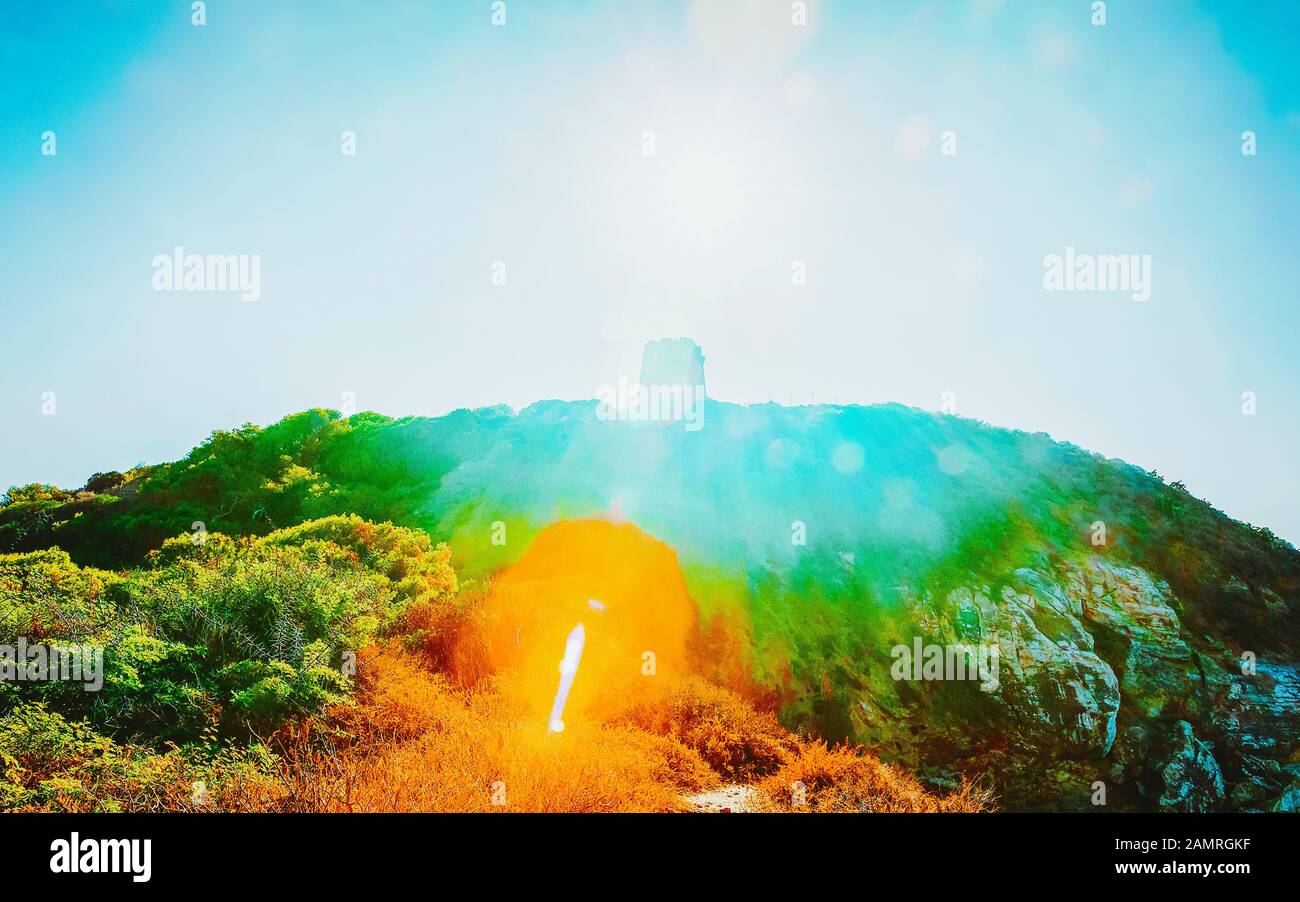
{"x": 525, "y": 144}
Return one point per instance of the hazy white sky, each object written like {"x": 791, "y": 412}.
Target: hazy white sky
{"x": 773, "y": 144}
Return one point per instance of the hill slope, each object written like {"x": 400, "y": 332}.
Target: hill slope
{"x": 814, "y": 542}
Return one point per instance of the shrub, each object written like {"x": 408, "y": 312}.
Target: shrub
{"x": 50, "y": 764}
{"x": 240, "y": 632}
{"x": 845, "y": 779}
{"x": 103, "y": 482}
{"x": 738, "y": 742}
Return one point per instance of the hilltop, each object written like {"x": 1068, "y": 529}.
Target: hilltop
{"x": 1146, "y": 640}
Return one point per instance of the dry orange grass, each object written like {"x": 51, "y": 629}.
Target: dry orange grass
{"x": 845, "y": 779}
{"x": 737, "y": 741}
{"x": 414, "y": 742}
{"x": 418, "y": 744}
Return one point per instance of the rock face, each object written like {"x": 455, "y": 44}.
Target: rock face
{"x": 1098, "y": 685}
{"x": 1052, "y": 685}
{"x": 1191, "y": 777}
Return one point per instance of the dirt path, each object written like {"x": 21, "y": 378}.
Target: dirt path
{"x": 735, "y": 798}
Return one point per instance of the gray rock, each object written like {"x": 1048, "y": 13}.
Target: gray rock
{"x": 1099, "y": 676}
{"x": 1191, "y": 776}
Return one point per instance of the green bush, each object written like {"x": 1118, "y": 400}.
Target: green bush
{"x": 230, "y": 633}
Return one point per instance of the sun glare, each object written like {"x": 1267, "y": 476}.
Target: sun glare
{"x": 703, "y": 190}
{"x": 539, "y": 616}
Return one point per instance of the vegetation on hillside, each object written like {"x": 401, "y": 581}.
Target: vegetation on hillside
{"x": 229, "y": 685}
{"x": 281, "y": 624}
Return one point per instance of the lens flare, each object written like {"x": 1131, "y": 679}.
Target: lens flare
{"x": 641, "y": 612}
{"x": 568, "y": 670}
